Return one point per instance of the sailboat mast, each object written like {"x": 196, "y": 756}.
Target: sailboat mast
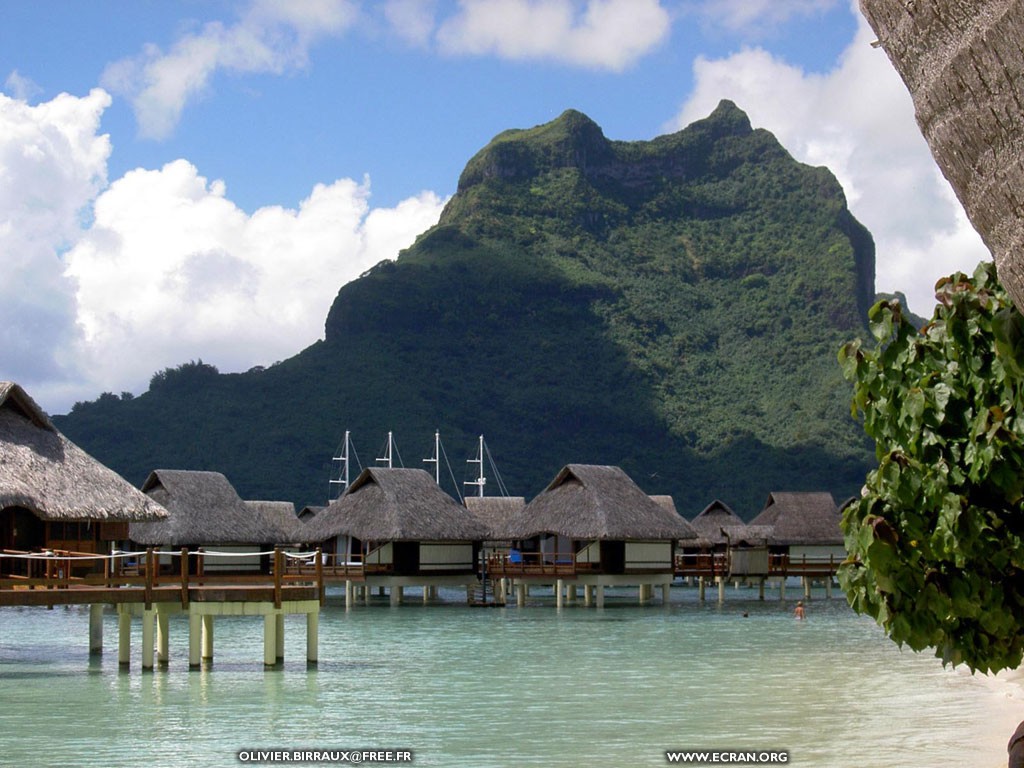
{"x": 437, "y": 457}
{"x": 342, "y": 479}
{"x": 386, "y": 458}
{"x": 480, "y": 481}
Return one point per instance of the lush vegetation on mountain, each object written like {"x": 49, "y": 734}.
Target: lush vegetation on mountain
{"x": 672, "y": 306}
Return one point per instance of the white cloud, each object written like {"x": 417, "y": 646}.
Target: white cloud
{"x": 412, "y": 20}
{"x": 21, "y": 87}
{"x": 600, "y": 34}
{"x": 172, "y": 270}
{"x": 52, "y": 164}
{"x": 271, "y": 37}
{"x": 105, "y": 285}
{"x": 754, "y": 17}
{"x": 858, "y": 120}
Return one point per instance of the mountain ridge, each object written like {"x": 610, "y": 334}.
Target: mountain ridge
{"x": 671, "y": 306}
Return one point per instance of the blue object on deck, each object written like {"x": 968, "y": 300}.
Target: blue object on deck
{"x": 515, "y": 556}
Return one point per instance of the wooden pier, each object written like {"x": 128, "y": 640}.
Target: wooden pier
{"x": 144, "y": 585}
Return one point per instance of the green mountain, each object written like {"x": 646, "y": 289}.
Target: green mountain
{"x": 672, "y": 306}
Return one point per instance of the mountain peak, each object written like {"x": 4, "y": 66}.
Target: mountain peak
{"x": 572, "y": 140}
{"x": 728, "y": 119}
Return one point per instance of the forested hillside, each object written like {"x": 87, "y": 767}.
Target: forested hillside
{"x": 673, "y": 307}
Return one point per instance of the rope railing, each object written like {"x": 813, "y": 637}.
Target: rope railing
{"x": 150, "y": 570}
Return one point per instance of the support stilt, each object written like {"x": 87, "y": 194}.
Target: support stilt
{"x": 124, "y": 636}
{"x": 96, "y": 629}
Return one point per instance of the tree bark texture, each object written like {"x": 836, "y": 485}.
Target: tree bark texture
{"x": 963, "y": 62}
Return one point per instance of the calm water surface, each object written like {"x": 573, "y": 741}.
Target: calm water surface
{"x": 526, "y": 686}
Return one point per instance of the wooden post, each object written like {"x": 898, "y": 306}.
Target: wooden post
{"x": 207, "y": 651}
{"x": 520, "y": 594}
{"x": 397, "y": 593}
{"x": 760, "y": 588}
{"x": 161, "y": 638}
{"x": 666, "y": 593}
{"x": 348, "y": 594}
{"x": 195, "y": 628}
{"x": 807, "y": 588}
{"x": 278, "y": 568}
{"x": 184, "y": 577}
{"x": 782, "y": 589}
{"x": 269, "y": 640}
{"x": 279, "y": 630}
{"x": 147, "y": 638}
{"x": 96, "y": 629}
{"x": 320, "y": 578}
{"x": 700, "y": 588}
{"x": 721, "y": 590}
{"x": 559, "y": 587}
{"x": 124, "y": 635}
{"x": 588, "y": 595}
{"x": 150, "y": 577}
{"x": 312, "y": 636}
{"x": 600, "y": 595}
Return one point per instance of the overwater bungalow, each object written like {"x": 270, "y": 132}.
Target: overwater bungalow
{"x": 206, "y": 512}
{"x": 805, "y": 538}
{"x": 278, "y": 518}
{"x": 495, "y": 513}
{"x": 53, "y": 495}
{"x": 594, "y": 527}
{"x": 394, "y": 528}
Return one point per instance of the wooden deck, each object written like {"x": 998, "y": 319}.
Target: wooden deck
{"x": 709, "y": 565}
{"x": 60, "y": 577}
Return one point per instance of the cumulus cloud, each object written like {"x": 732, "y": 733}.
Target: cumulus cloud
{"x": 105, "y": 285}
{"x": 52, "y": 164}
{"x": 411, "y": 20}
{"x": 754, "y": 17}
{"x": 271, "y": 37}
{"x": 858, "y": 120}
{"x": 600, "y": 34}
{"x": 172, "y": 270}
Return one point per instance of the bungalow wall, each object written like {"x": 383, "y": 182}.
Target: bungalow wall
{"x": 648, "y": 556}
{"x": 748, "y": 562}
{"x": 626, "y": 557}
{"x": 447, "y": 557}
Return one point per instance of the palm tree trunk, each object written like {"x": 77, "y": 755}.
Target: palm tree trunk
{"x": 963, "y": 62}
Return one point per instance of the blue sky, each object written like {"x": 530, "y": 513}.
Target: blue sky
{"x": 196, "y": 179}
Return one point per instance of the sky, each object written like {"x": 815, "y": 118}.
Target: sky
{"x": 195, "y": 179}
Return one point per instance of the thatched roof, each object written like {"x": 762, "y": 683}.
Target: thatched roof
{"x": 597, "y": 502}
{"x": 278, "y": 518}
{"x": 495, "y": 513}
{"x": 801, "y": 518}
{"x": 204, "y": 510}
{"x": 52, "y": 477}
{"x": 712, "y": 519}
{"x": 308, "y": 512}
{"x": 384, "y": 504}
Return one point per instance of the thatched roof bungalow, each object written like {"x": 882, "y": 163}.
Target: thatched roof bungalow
{"x": 715, "y": 525}
{"x": 601, "y": 519}
{"x": 495, "y": 513}
{"x": 801, "y": 519}
{"x": 205, "y": 511}
{"x": 52, "y": 493}
{"x": 278, "y": 518}
{"x": 399, "y": 522}
{"x": 803, "y": 526}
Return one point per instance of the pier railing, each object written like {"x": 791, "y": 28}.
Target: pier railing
{"x": 707, "y": 564}
{"x": 804, "y": 565}
{"x": 63, "y": 576}
{"x": 533, "y": 564}
{"x": 716, "y": 564}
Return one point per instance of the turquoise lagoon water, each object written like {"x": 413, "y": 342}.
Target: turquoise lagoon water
{"x": 530, "y": 686}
